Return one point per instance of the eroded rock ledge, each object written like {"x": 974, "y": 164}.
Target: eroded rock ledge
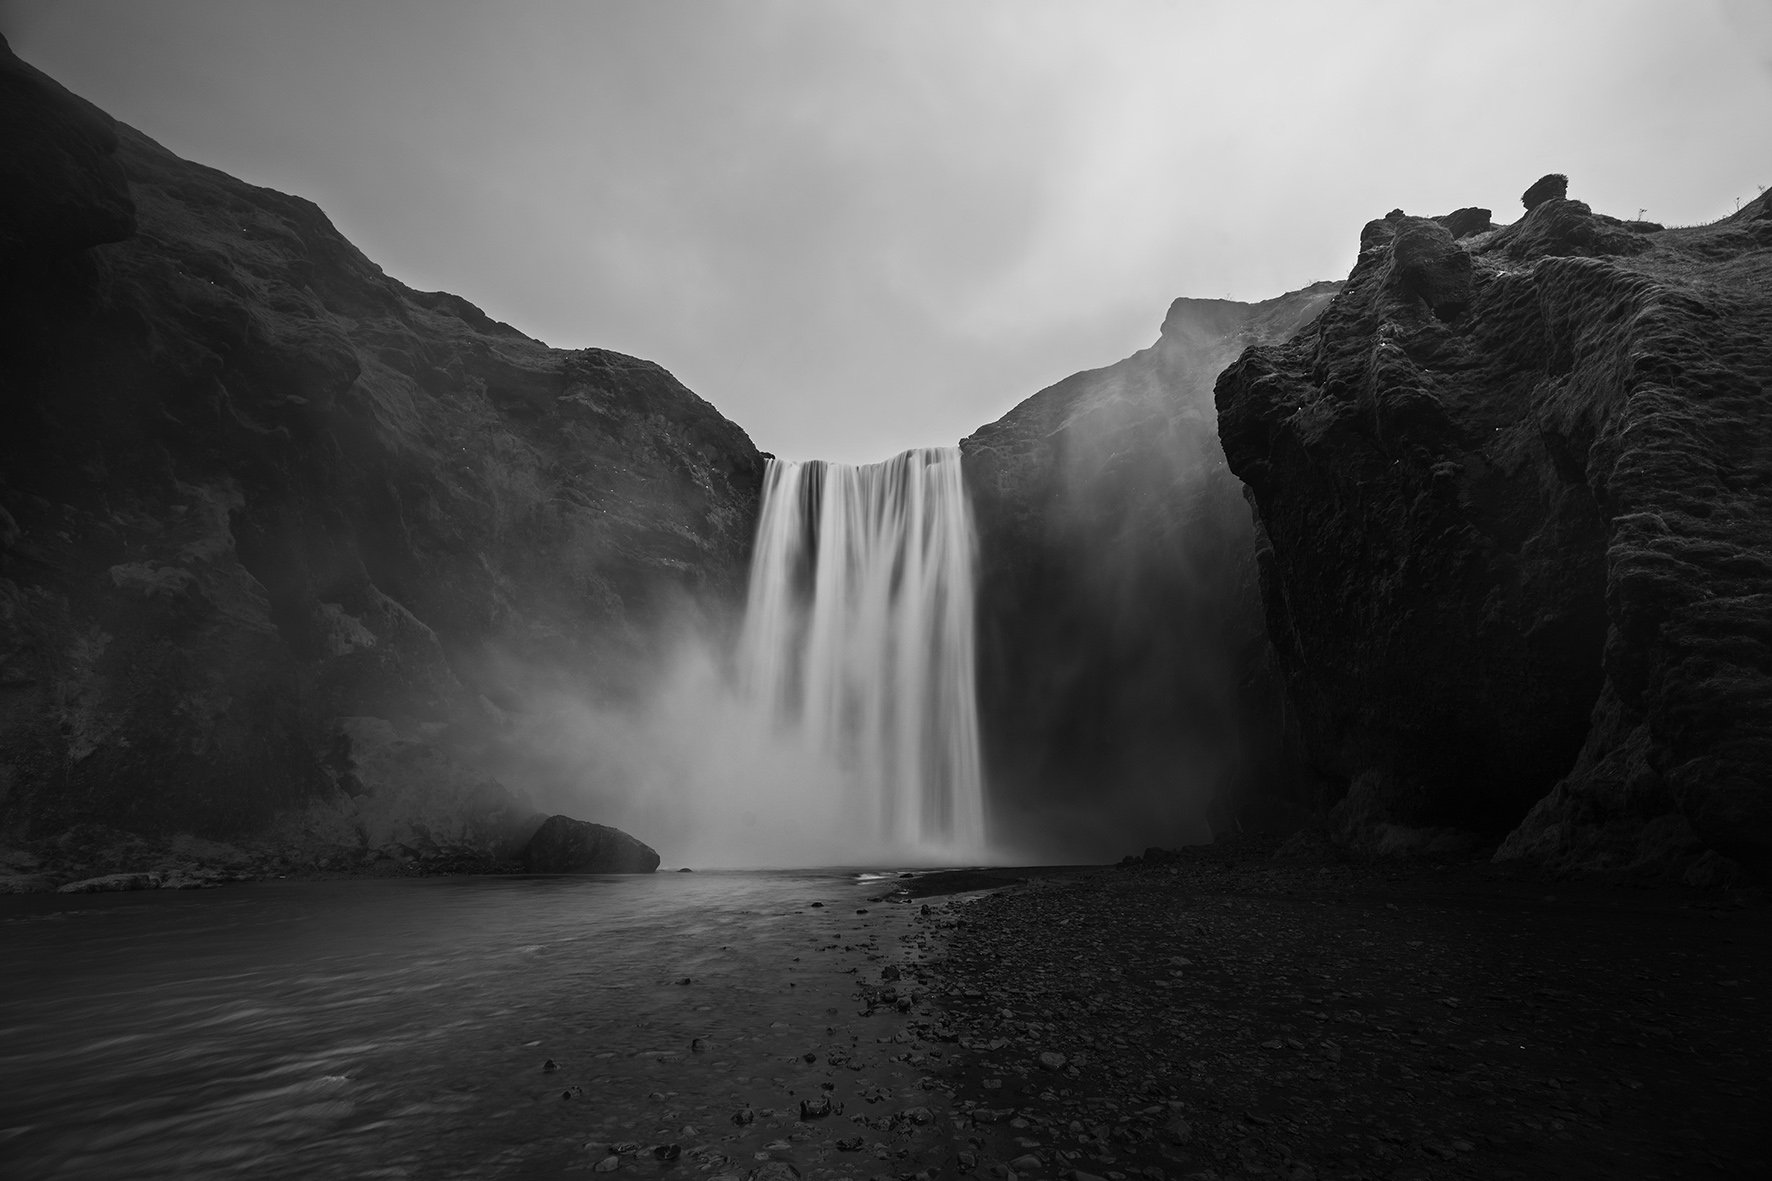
{"x": 1515, "y": 489}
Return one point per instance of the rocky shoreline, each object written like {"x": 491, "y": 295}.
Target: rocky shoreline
{"x": 1221, "y": 1013}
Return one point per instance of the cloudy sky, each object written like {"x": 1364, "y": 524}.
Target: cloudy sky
{"x": 861, "y": 226}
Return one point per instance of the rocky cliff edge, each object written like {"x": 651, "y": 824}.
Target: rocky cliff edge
{"x": 282, "y": 540}
{"x": 1515, "y": 490}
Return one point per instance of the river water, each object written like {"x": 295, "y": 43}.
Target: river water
{"x": 393, "y": 1029}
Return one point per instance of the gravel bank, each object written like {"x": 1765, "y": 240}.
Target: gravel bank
{"x": 1222, "y": 1013}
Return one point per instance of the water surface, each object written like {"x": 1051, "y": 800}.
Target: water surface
{"x": 400, "y": 1028}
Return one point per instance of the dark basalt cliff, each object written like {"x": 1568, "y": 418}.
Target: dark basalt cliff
{"x": 1515, "y": 489}
{"x": 283, "y": 538}
{"x": 1121, "y": 655}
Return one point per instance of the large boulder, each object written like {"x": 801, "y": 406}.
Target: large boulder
{"x": 1122, "y": 665}
{"x": 1515, "y": 491}
{"x": 261, "y": 503}
{"x": 565, "y": 845}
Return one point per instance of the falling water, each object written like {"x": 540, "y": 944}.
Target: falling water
{"x": 858, "y": 641}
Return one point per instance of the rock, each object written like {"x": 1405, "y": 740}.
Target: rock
{"x": 549, "y": 1065}
{"x": 1554, "y": 187}
{"x": 1026, "y": 1163}
{"x": 1503, "y": 455}
{"x": 607, "y": 1165}
{"x": 1051, "y": 1060}
{"x": 744, "y": 1117}
{"x": 565, "y": 845}
{"x": 775, "y": 1170}
{"x": 816, "y": 1108}
{"x": 1462, "y": 223}
{"x": 112, "y": 883}
{"x": 667, "y": 1152}
{"x": 889, "y": 972}
{"x": 1117, "y": 596}
{"x": 255, "y": 485}
{"x": 62, "y": 188}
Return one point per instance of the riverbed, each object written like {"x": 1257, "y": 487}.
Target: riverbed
{"x": 467, "y": 1027}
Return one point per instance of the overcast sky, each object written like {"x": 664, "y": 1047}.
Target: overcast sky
{"x": 858, "y": 227}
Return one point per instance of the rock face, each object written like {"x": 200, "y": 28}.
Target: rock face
{"x": 1515, "y": 491}
{"x": 565, "y": 845}
{"x": 280, "y": 532}
{"x": 1120, "y": 642}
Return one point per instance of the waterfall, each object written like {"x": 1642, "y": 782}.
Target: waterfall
{"x": 857, "y": 642}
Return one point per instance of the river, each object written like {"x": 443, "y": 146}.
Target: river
{"x": 405, "y": 1029}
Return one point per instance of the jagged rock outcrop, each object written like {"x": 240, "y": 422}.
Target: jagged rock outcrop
{"x": 283, "y": 537}
{"x": 1516, "y": 495}
{"x": 1120, "y": 644}
{"x": 565, "y": 845}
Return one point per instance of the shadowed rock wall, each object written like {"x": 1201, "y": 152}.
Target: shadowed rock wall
{"x": 1121, "y": 658}
{"x": 1515, "y": 487}
{"x": 280, "y": 533}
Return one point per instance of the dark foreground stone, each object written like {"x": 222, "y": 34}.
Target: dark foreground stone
{"x": 565, "y": 845}
{"x": 1220, "y": 1014}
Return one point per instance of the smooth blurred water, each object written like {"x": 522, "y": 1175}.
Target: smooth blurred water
{"x": 398, "y": 1028}
{"x": 858, "y": 644}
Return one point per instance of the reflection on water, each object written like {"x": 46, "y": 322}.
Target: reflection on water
{"x": 398, "y": 1029}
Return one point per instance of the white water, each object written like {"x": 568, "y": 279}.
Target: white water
{"x": 858, "y": 644}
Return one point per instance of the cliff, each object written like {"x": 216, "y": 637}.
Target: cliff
{"x": 281, "y": 539}
{"x": 1515, "y": 492}
{"x": 1122, "y": 678}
